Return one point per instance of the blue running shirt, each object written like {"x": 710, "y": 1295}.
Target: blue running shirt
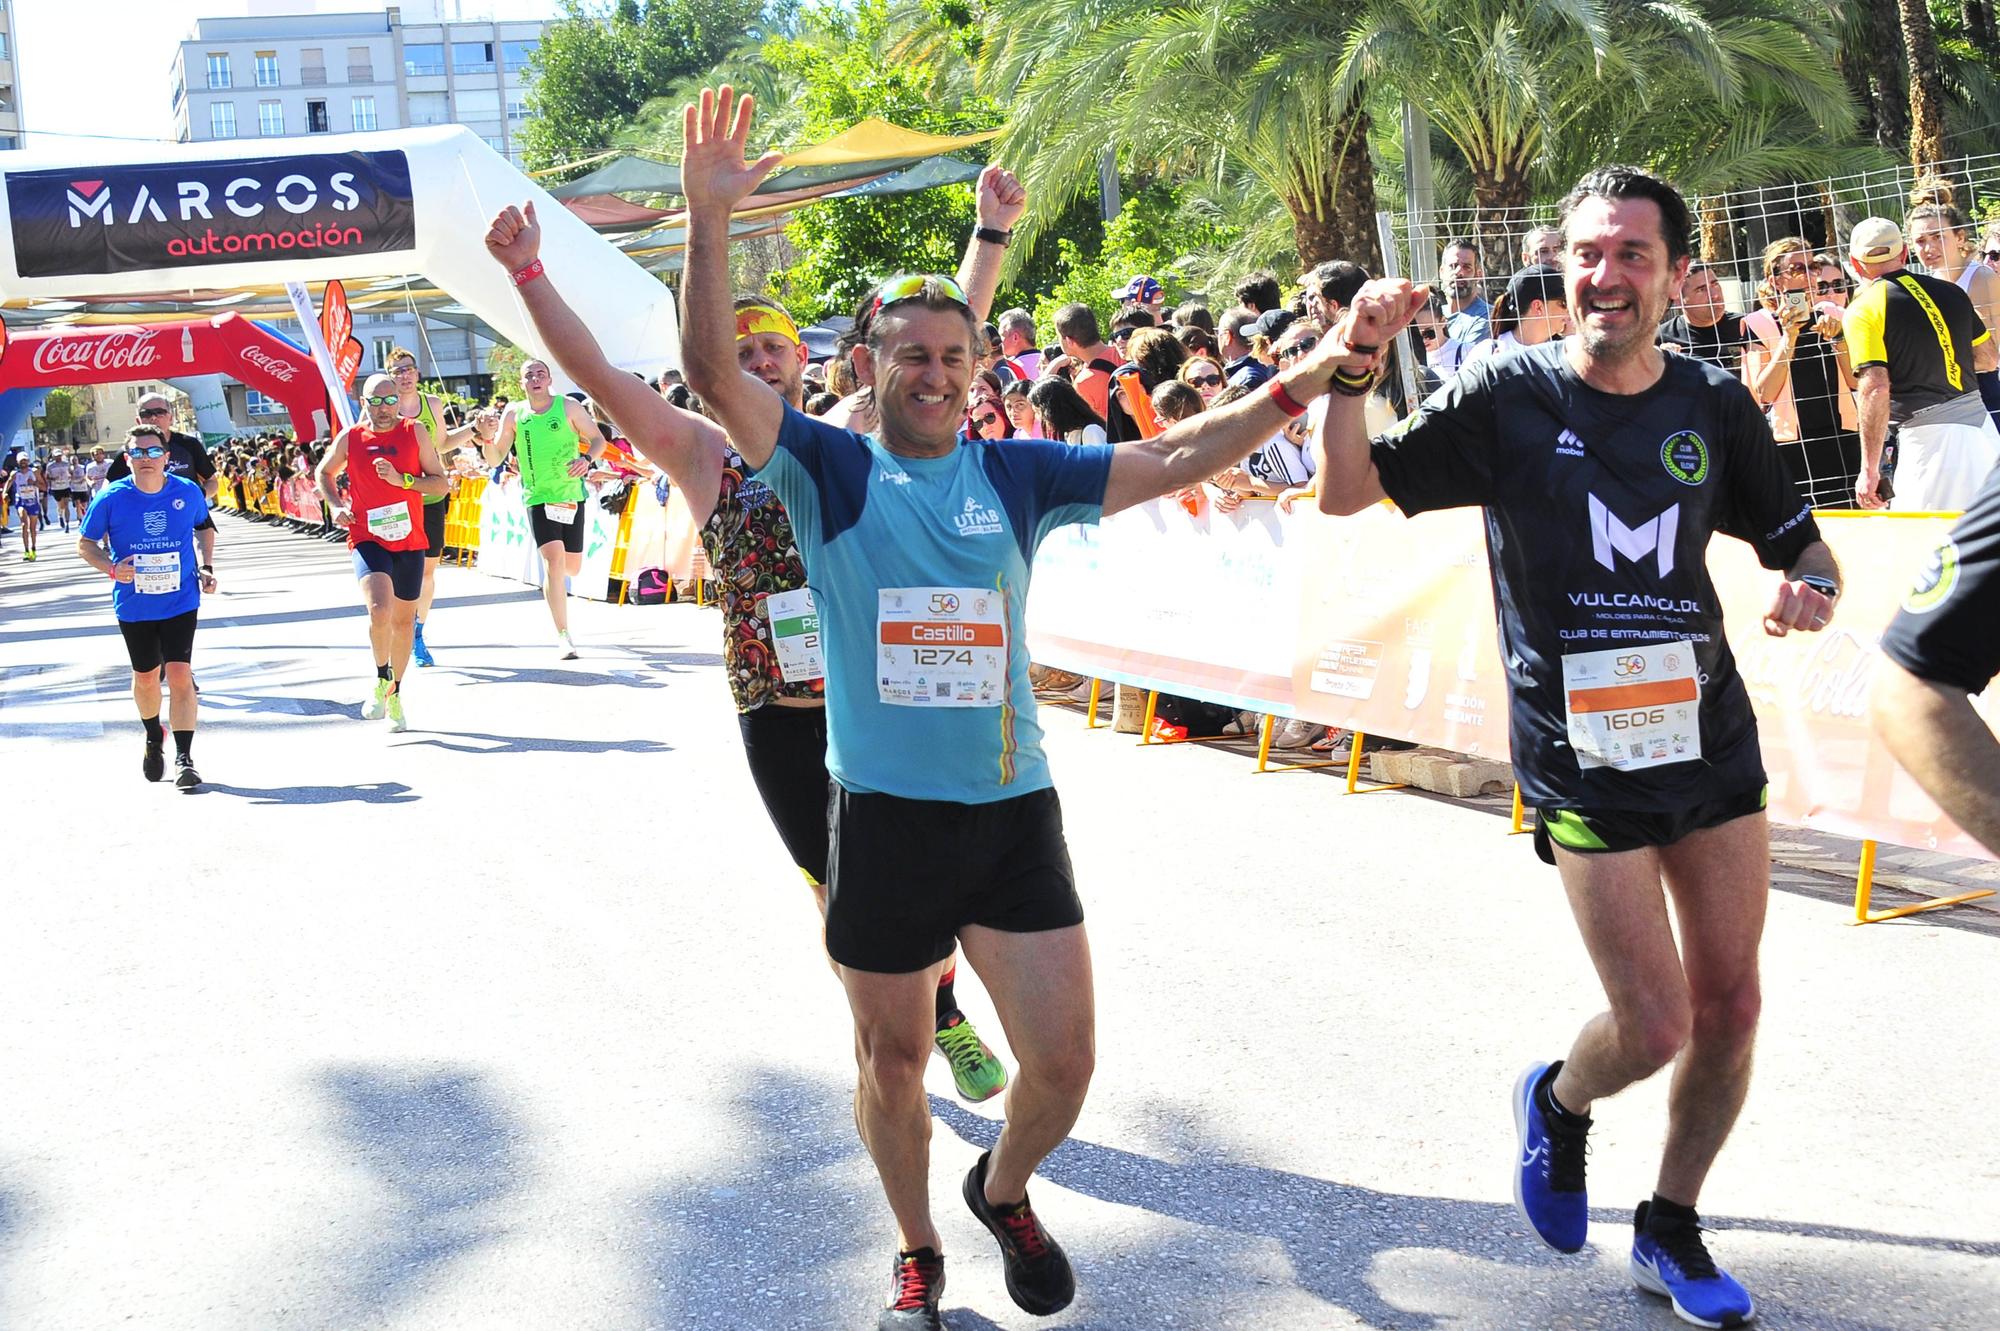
{"x": 919, "y": 568}
{"x": 157, "y": 530}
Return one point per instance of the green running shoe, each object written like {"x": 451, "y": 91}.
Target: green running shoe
{"x": 978, "y": 1074}
{"x": 373, "y": 710}
{"x": 397, "y": 724}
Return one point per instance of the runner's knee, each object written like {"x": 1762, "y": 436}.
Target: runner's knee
{"x": 1064, "y": 1064}
{"x": 1654, "y": 1037}
{"x": 1730, "y": 1014}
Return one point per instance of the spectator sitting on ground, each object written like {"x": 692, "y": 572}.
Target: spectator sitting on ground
{"x": 1064, "y": 412}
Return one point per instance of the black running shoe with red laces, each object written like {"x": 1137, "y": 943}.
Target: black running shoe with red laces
{"x": 1038, "y": 1272}
{"x": 915, "y": 1286}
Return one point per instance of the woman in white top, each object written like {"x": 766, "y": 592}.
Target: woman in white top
{"x": 1532, "y": 310}
{"x": 1942, "y": 238}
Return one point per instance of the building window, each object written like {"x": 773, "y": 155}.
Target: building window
{"x": 385, "y": 347}
{"x": 256, "y": 404}
{"x": 472, "y": 57}
{"x": 270, "y": 118}
{"x": 312, "y": 66}
{"x": 317, "y": 120}
{"x": 9, "y": 142}
{"x": 516, "y": 55}
{"x": 423, "y": 58}
{"x": 429, "y": 108}
{"x": 218, "y": 70}
{"x": 476, "y": 104}
{"x": 360, "y": 65}
{"x": 517, "y": 106}
{"x": 222, "y": 120}
{"x": 364, "y": 113}
{"x": 267, "y": 69}
{"x": 494, "y": 142}
{"x": 3, "y": 41}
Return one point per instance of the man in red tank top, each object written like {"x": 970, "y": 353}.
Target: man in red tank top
{"x": 390, "y": 465}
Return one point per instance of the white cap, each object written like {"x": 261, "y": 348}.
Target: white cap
{"x": 1876, "y": 239}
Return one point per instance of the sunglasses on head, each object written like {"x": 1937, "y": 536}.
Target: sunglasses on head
{"x": 146, "y": 450}
{"x": 386, "y": 400}
{"x": 909, "y": 287}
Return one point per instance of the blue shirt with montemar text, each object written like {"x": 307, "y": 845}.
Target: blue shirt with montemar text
{"x": 913, "y": 563}
{"x": 159, "y": 527}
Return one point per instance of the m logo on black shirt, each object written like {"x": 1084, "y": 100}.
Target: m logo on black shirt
{"x": 1653, "y": 537}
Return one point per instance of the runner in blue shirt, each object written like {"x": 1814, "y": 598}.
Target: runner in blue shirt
{"x": 945, "y": 824}
{"x": 140, "y": 532}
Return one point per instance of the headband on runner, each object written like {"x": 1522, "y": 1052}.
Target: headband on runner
{"x": 763, "y": 319}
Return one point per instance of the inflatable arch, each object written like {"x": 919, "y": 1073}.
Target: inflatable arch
{"x": 48, "y": 357}
{"x": 140, "y": 220}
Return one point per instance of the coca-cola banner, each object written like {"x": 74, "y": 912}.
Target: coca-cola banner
{"x": 227, "y": 344}
{"x": 135, "y": 218}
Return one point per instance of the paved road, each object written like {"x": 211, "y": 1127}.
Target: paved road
{"x": 519, "y": 1020}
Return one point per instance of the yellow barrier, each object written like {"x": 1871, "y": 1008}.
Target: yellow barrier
{"x": 622, "y": 545}
{"x": 461, "y": 518}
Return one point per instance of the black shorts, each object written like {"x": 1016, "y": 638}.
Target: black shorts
{"x": 434, "y": 515}
{"x": 786, "y": 747}
{"x": 547, "y": 529}
{"x": 907, "y": 875}
{"x": 1607, "y": 831}
{"x": 404, "y": 567}
{"x": 153, "y": 642}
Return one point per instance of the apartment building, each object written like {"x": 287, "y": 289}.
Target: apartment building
{"x": 10, "y": 83}
{"x": 328, "y": 73}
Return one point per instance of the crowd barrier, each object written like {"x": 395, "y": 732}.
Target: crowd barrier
{"x": 1384, "y": 625}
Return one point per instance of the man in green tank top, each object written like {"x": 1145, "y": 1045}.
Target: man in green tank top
{"x": 547, "y": 436}
{"x": 428, "y": 410}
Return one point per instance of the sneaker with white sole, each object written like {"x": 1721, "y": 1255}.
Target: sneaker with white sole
{"x": 377, "y": 705}
{"x": 1670, "y": 1259}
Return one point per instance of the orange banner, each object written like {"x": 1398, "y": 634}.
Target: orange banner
{"x": 1385, "y": 625}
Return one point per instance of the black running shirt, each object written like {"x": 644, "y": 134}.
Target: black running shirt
{"x": 1599, "y": 508}
{"x": 1948, "y": 630}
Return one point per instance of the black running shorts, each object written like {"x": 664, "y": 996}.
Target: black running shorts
{"x": 1608, "y": 831}
{"x": 434, "y": 515}
{"x": 907, "y": 875}
{"x": 786, "y": 747}
{"x": 404, "y": 567}
{"x": 547, "y": 529}
{"x": 152, "y": 642}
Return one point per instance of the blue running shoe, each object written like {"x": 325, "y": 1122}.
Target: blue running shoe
{"x": 418, "y": 652}
{"x": 1548, "y": 1172}
{"x": 1672, "y": 1261}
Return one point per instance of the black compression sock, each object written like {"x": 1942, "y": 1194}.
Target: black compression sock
{"x": 1663, "y": 1212}
{"x": 1545, "y": 1095}
{"x": 382, "y": 672}
{"x": 947, "y": 1003}
{"x": 183, "y": 742}
{"x": 154, "y": 735}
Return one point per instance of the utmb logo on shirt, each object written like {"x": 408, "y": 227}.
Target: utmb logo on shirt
{"x": 977, "y": 519}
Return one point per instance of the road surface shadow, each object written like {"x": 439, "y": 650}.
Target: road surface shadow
{"x": 368, "y": 792}
{"x": 444, "y": 1153}
{"x": 563, "y": 676}
{"x": 1449, "y": 1257}
{"x": 534, "y": 744}
{"x": 748, "y": 1245}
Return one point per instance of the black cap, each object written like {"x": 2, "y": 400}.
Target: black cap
{"x": 1538, "y": 281}
{"x": 1271, "y": 323}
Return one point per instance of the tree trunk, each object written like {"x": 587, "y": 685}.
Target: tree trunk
{"x": 1926, "y": 84}
{"x": 1714, "y": 241}
{"x": 1344, "y": 226}
{"x": 1887, "y": 75}
{"x": 1978, "y": 23}
{"x": 1501, "y": 193}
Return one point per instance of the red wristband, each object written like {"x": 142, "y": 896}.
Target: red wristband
{"x": 1284, "y": 400}
{"x": 523, "y": 276}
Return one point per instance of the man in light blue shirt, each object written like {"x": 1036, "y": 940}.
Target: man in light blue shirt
{"x": 945, "y": 825}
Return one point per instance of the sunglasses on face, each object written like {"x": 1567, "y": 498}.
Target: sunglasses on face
{"x": 156, "y": 411}
{"x": 146, "y": 451}
{"x": 1205, "y": 380}
{"x": 987, "y": 418}
{"x": 1428, "y": 334}
{"x": 386, "y": 400}
{"x": 1298, "y": 348}
{"x": 1828, "y": 288}
{"x": 1993, "y": 256}
{"x": 404, "y": 369}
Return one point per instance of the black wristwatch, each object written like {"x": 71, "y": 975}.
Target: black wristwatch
{"x": 1824, "y": 586}
{"x": 992, "y": 236}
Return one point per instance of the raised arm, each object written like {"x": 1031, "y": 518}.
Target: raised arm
{"x": 1205, "y": 443}
{"x": 685, "y": 446}
{"x": 1001, "y": 203}
{"x": 495, "y": 450}
{"x": 1344, "y": 465}
{"x": 715, "y": 177}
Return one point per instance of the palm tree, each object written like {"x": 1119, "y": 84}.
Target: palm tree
{"x": 1233, "y": 94}
{"x": 1927, "y": 100}
{"x": 1527, "y": 90}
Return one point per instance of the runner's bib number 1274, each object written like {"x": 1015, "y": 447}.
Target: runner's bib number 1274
{"x": 1633, "y": 707}
{"x": 941, "y": 647}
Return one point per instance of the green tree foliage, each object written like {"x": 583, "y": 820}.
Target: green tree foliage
{"x": 504, "y": 363}
{"x": 597, "y": 69}
{"x": 60, "y": 410}
{"x": 846, "y": 245}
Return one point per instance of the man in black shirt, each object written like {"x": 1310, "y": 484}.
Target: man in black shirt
{"x": 1703, "y": 327}
{"x": 185, "y": 455}
{"x": 1604, "y": 468}
{"x": 1941, "y": 649}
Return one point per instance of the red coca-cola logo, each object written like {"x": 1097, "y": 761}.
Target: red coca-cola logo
{"x": 126, "y": 349}
{"x": 281, "y": 370}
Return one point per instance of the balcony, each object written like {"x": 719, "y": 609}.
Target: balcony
{"x": 361, "y": 73}
{"x": 219, "y": 80}
{"x": 313, "y": 76}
